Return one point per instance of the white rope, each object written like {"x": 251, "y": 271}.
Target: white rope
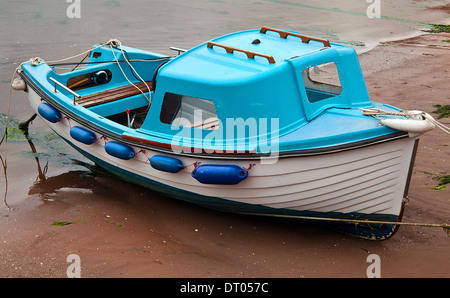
{"x": 116, "y": 43}
{"x": 444, "y": 226}
{"x": 36, "y": 60}
{"x": 75, "y": 56}
{"x": 111, "y": 43}
{"x": 438, "y": 124}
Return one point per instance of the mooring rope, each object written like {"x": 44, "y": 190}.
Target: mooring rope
{"x": 116, "y": 43}
{"x": 438, "y": 124}
{"x": 111, "y": 43}
{"x": 74, "y": 56}
{"x": 444, "y": 226}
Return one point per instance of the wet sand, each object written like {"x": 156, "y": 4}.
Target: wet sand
{"x": 122, "y": 230}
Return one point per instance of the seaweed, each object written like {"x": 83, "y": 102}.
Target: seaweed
{"x": 443, "y": 111}
{"x": 438, "y": 28}
{"x": 443, "y": 180}
{"x": 66, "y": 223}
{"x": 11, "y": 128}
{"x": 62, "y": 223}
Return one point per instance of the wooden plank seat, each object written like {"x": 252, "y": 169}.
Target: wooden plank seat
{"x": 110, "y": 95}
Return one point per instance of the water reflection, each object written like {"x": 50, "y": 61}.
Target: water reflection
{"x": 24, "y": 127}
{"x": 51, "y": 188}
{"x": 61, "y": 186}
{"x": 11, "y": 133}
{"x": 46, "y": 187}
{"x": 6, "y": 181}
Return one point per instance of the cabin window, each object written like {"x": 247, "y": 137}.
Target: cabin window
{"x": 189, "y": 111}
{"x": 322, "y": 82}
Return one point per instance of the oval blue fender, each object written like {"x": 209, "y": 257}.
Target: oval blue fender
{"x": 166, "y": 163}
{"x": 49, "y": 113}
{"x": 219, "y": 174}
{"x": 119, "y": 150}
{"x": 82, "y": 135}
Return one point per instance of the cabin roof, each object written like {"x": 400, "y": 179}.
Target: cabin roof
{"x": 239, "y": 56}
{"x": 259, "y": 80}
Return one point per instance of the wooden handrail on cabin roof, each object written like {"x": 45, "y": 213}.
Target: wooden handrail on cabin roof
{"x": 250, "y": 54}
{"x": 304, "y": 38}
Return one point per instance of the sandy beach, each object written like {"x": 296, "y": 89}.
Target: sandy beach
{"x": 122, "y": 230}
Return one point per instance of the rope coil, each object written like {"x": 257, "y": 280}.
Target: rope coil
{"x": 113, "y": 42}
{"x": 35, "y": 61}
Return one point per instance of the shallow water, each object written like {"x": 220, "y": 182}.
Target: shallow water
{"x": 43, "y": 28}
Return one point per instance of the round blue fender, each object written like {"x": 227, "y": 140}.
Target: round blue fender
{"x": 49, "y": 113}
{"x": 82, "y": 135}
{"x": 219, "y": 174}
{"x": 166, "y": 163}
{"x": 119, "y": 150}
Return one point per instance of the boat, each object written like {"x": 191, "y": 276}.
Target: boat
{"x": 260, "y": 122}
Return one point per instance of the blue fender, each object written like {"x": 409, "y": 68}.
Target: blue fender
{"x": 119, "y": 150}
{"x": 82, "y": 135}
{"x": 49, "y": 113}
{"x": 219, "y": 174}
{"x": 166, "y": 163}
